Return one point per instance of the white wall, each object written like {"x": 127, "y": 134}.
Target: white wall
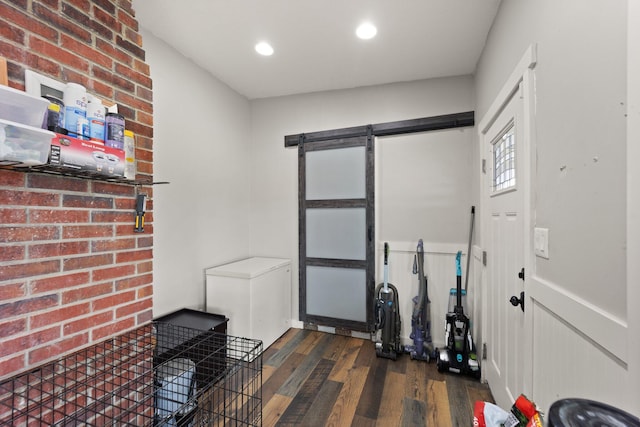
{"x": 274, "y": 187}
{"x": 202, "y": 146}
{"x": 633, "y": 198}
{"x": 580, "y": 293}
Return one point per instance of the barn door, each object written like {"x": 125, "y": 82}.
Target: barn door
{"x": 336, "y": 232}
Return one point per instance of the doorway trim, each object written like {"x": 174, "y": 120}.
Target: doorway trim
{"x": 522, "y": 75}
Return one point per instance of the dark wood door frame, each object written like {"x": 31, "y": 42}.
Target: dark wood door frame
{"x": 340, "y": 138}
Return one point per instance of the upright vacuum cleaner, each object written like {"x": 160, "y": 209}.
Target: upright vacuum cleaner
{"x": 459, "y": 355}
{"x": 387, "y": 315}
{"x": 422, "y": 348}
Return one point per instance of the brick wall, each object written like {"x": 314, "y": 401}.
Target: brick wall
{"x": 72, "y": 271}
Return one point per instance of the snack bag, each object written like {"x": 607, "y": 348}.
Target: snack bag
{"x": 487, "y": 414}
{"x": 523, "y": 413}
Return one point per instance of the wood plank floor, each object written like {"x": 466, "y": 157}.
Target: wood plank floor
{"x": 313, "y": 378}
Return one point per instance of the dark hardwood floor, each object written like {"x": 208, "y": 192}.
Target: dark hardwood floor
{"x": 313, "y": 378}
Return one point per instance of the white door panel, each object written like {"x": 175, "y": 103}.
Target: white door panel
{"x": 504, "y": 201}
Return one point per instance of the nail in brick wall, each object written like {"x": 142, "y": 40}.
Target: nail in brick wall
{"x": 72, "y": 271}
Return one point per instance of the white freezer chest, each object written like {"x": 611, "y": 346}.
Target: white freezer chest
{"x": 255, "y": 294}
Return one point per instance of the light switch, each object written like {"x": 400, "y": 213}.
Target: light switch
{"x": 541, "y": 242}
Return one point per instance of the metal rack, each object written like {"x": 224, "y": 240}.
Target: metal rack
{"x": 156, "y": 375}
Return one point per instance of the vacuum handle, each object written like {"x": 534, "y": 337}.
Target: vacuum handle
{"x": 386, "y": 253}
{"x": 458, "y": 267}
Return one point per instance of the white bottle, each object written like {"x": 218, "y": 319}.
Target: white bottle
{"x": 75, "y": 106}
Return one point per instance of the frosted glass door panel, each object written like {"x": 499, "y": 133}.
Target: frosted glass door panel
{"x": 336, "y": 233}
{"x": 337, "y": 292}
{"x": 336, "y": 174}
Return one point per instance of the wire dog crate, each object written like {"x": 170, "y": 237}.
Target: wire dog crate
{"x": 156, "y": 375}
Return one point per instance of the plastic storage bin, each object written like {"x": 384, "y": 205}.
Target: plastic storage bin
{"x": 175, "y": 396}
{"x": 22, "y": 145}
{"x": 20, "y": 107}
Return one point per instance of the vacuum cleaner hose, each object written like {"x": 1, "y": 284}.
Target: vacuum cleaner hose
{"x": 421, "y": 280}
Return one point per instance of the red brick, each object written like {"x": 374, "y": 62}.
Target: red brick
{"x": 126, "y": 204}
{"x": 71, "y": 75}
{"x": 27, "y": 23}
{"x": 26, "y": 234}
{"x": 113, "y": 272}
{"x": 128, "y": 20}
{"x": 85, "y": 50}
{"x": 69, "y": 264}
{"x": 86, "y": 231}
{"x": 57, "y": 348}
{"x": 13, "y": 327}
{"x": 112, "y": 245}
{"x": 12, "y": 253}
{"x": 145, "y": 242}
{"x": 34, "y": 339}
{"x": 9, "y": 32}
{"x": 26, "y": 306}
{"x": 132, "y": 101}
{"x": 59, "y": 282}
{"x": 102, "y": 90}
{"x": 144, "y": 317}
{"x": 134, "y": 282}
{"x": 54, "y": 182}
{"x": 136, "y": 76}
{"x": 130, "y": 47}
{"x": 7, "y": 177}
{"x": 86, "y": 292}
{"x": 63, "y": 56}
{"x": 107, "y": 18}
{"x": 144, "y": 93}
{"x": 144, "y": 167}
{"x": 12, "y": 365}
{"x": 113, "y": 300}
{"x": 88, "y": 202}
{"x": 134, "y": 308}
{"x": 28, "y": 198}
{"x": 11, "y": 291}
{"x": 112, "y": 216}
{"x": 112, "y": 329}
{"x": 56, "y": 216}
{"x": 145, "y": 267}
{"x": 113, "y": 51}
{"x": 59, "y": 315}
{"x": 112, "y": 78}
{"x": 113, "y": 189}
{"x": 144, "y": 292}
{"x": 48, "y": 250}
{"x": 122, "y": 257}
{"x": 18, "y": 271}
{"x": 13, "y": 216}
{"x": 144, "y": 118}
{"x": 56, "y": 20}
{"x": 87, "y": 323}
{"x": 83, "y": 5}
{"x": 107, "y": 5}
{"x": 143, "y": 154}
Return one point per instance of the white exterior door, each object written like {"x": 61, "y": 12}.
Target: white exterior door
{"x": 504, "y": 196}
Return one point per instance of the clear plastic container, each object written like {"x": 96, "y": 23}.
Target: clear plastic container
{"x": 22, "y": 145}
{"x": 20, "y": 107}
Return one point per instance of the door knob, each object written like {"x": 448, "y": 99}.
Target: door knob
{"x": 515, "y": 301}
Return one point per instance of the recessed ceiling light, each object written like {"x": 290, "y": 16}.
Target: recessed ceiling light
{"x": 264, "y": 48}
{"x": 366, "y": 31}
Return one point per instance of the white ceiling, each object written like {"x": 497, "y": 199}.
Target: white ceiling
{"x": 314, "y": 40}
